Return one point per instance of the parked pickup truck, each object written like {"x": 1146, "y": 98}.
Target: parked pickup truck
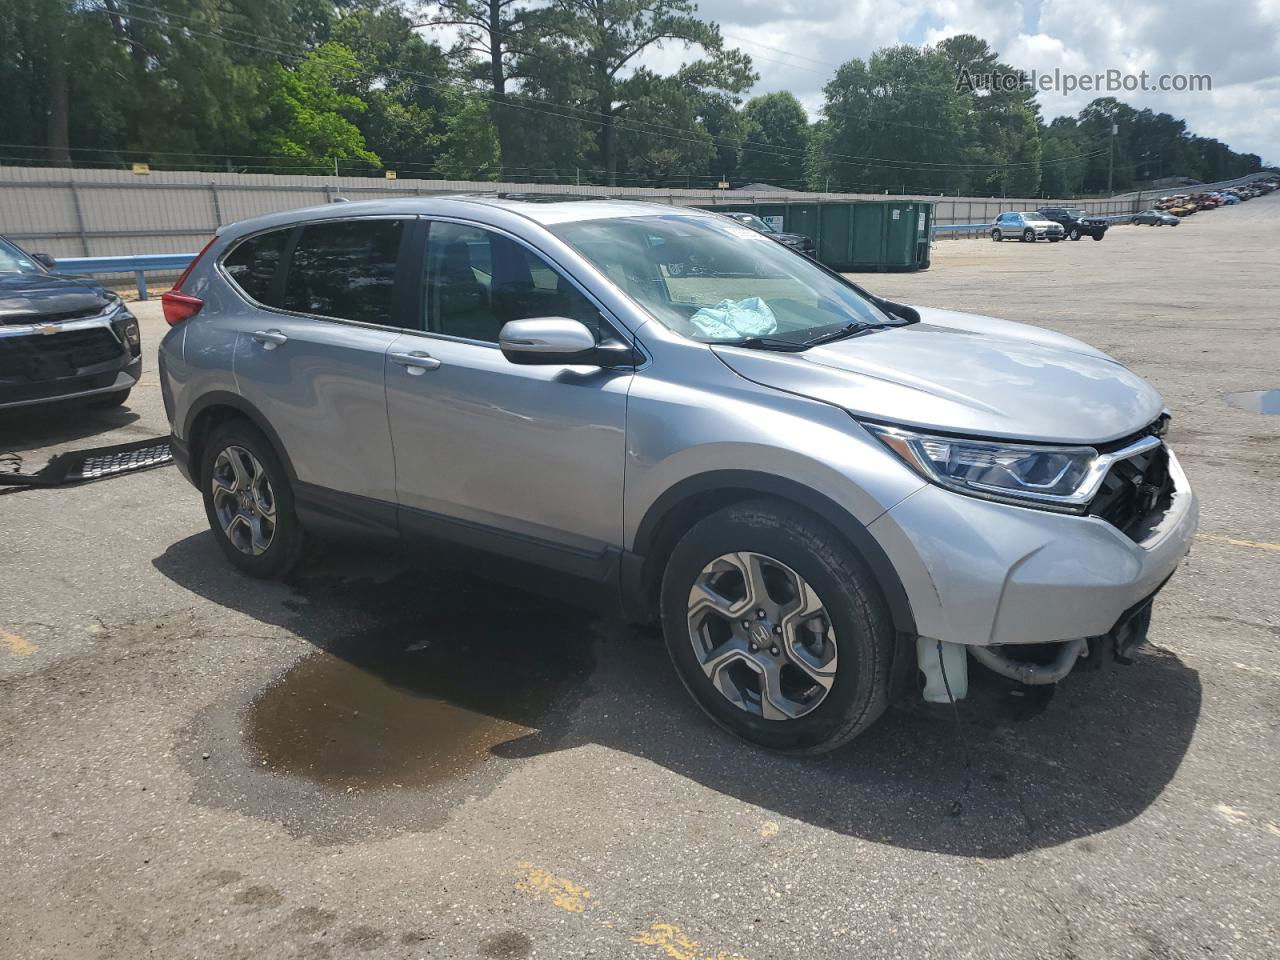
{"x": 1076, "y": 222}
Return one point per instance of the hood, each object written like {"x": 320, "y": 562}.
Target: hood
{"x": 966, "y": 374}
{"x": 27, "y": 297}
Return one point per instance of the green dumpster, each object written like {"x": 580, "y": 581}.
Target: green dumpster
{"x": 877, "y": 235}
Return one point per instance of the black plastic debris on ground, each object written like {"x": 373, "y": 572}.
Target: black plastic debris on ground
{"x": 97, "y": 463}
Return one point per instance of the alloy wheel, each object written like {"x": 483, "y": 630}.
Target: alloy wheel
{"x": 762, "y": 636}
{"x": 243, "y": 500}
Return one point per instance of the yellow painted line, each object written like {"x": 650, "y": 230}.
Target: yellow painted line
{"x": 562, "y": 893}
{"x": 575, "y": 898}
{"x": 17, "y": 645}
{"x": 678, "y": 945}
{"x": 1232, "y": 541}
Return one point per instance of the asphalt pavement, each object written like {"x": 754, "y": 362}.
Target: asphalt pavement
{"x": 382, "y": 760}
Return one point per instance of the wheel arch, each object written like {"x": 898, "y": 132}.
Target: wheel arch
{"x": 214, "y": 409}
{"x": 683, "y": 505}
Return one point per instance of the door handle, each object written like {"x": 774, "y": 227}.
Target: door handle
{"x": 270, "y": 338}
{"x": 416, "y": 362}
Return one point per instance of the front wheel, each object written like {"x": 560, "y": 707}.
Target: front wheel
{"x": 777, "y": 628}
{"x": 248, "y": 501}
{"x": 1028, "y": 236}
{"x": 997, "y": 236}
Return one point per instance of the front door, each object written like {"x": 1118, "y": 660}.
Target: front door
{"x": 526, "y": 460}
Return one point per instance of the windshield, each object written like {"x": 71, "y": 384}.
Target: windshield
{"x": 718, "y": 282}
{"x": 1073, "y": 212}
{"x": 13, "y": 260}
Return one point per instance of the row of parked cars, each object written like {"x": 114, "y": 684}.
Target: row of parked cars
{"x": 1183, "y": 204}
{"x": 1061, "y": 223}
{"x": 1048, "y": 223}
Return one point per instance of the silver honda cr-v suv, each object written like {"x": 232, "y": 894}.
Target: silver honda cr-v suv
{"x": 825, "y": 497}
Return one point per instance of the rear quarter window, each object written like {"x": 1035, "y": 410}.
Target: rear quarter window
{"x": 252, "y": 264}
{"x": 345, "y": 269}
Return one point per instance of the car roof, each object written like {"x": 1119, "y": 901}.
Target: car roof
{"x": 538, "y": 208}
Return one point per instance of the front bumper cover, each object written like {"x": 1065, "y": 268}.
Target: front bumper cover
{"x": 982, "y": 573}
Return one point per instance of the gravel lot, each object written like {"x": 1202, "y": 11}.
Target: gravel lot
{"x": 381, "y": 761}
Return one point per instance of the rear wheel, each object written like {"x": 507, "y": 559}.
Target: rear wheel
{"x": 1075, "y": 233}
{"x": 776, "y": 627}
{"x": 248, "y": 501}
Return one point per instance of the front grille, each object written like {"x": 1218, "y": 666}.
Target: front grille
{"x": 50, "y": 356}
{"x": 24, "y": 318}
{"x": 1135, "y": 490}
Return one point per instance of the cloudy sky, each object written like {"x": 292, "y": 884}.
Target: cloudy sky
{"x": 796, "y": 45}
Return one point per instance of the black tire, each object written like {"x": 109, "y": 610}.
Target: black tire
{"x": 1028, "y": 235}
{"x": 1098, "y": 236}
{"x": 855, "y": 609}
{"x": 281, "y": 555}
{"x": 997, "y": 236}
{"x": 1075, "y": 233}
{"x": 109, "y": 400}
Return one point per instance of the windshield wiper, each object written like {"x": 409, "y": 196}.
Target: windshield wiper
{"x": 767, "y": 343}
{"x": 848, "y": 330}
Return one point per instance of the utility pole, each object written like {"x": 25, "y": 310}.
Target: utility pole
{"x": 1111, "y": 156}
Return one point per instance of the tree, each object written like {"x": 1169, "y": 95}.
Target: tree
{"x": 1061, "y": 163}
{"x": 309, "y": 116}
{"x": 894, "y": 120}
{"x": 405, "y": 82}
{"x": 776, "y": 133}
{"x": 493, "y": 34}
{"x": 608, "y": 35}
{"x": 1003, "y": 131}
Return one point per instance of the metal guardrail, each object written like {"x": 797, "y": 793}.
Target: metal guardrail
{"x": 139, "y": 266}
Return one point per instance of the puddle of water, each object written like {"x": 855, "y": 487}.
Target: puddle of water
{"x": 1256, "y": 401}
{"x": 419, "y": 704}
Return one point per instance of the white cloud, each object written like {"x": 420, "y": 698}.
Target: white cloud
{"x": 797, "y": 45}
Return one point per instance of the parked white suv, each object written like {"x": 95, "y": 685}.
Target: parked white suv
{"x": 823, "y": 495}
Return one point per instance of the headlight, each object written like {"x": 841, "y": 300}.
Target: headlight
{"x": 1053, "y": 478}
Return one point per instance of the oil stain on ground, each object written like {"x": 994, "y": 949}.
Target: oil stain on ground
{"x": 418, "y": 704}
{"x": 419, "y": 682}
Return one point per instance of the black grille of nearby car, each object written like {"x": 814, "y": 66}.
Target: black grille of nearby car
{"x": 1134, "y": 490}
{"x": 44, "y": 357}
{"x": 23, "y": 318}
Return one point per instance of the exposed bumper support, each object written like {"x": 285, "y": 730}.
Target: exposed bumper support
{"x": 1032, "y": 674}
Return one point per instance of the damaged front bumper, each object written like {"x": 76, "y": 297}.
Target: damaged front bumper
{"x": 991, "y": 580}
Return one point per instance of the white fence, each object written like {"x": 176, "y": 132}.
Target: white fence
{"x": 84, "y": 213}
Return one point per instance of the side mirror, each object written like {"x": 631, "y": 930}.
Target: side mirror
{"x": 45, "y": 260}
{"x": 556, "y": 341}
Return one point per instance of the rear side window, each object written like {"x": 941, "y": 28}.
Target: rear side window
{"x": 252, "y": 264}
{"x": 345, "y": 269}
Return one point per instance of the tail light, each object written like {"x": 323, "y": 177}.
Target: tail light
{"x": 178, "y": 306}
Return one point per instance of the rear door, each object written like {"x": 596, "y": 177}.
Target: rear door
{"x": 311, "y": 357}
